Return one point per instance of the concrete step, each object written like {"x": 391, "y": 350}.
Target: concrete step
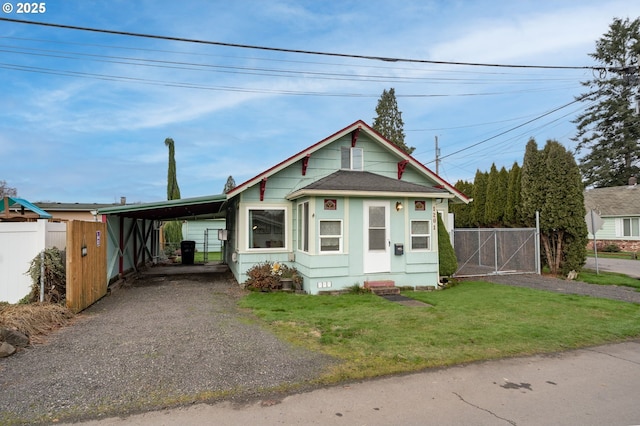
{"x": 385, "y": 291}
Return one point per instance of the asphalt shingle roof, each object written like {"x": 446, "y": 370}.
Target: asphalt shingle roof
{"x": 614, "y": 201}
{"x": 348, "y": 180}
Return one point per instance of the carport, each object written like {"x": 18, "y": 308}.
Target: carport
{"x": 133, "y": 230}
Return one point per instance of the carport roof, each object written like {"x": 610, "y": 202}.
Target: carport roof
{"x": 208, "y": 207}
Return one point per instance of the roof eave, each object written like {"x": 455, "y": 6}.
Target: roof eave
{"x": 374, "y": 194}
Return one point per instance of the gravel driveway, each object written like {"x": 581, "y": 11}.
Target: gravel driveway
{"x": 163, "y": 340}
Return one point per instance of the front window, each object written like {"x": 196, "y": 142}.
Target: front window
{"x": 267, "y": 228}
{"x": 330, "y": 236}
{"x": 420, "y": 235}
{"x": 303, "y": 226}
{"x": 631, "y": 227}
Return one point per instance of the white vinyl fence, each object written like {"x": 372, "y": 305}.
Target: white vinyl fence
{"x": 20, "y": 242}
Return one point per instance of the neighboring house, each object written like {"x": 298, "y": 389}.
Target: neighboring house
{"x": 619, "y": 208}
{"x": 350, "y": 209}
{"x": 74, "y": 211}
{"x": 204, "y": 233}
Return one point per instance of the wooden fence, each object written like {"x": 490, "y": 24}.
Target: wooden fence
{"x": 86, "y": 263}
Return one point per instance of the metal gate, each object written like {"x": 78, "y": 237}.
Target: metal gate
{"x": 495, "y": 251}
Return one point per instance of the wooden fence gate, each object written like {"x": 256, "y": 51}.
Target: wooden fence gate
{"x": 86, "y": 263}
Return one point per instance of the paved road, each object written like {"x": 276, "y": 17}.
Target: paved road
{"x": 594, "y": 386}
{"x": 623, "y": 266}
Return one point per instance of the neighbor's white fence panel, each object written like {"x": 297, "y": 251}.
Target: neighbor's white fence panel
{"x": 20, "y": 242}
{"x": 56, "y": 235}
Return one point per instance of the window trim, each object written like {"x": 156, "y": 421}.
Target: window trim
{"x": 631, "y": 223}
{"x": 351, "y": 150}
{"x": 286, "y": 227}
{"x": 428, "y": 235}
{"x": 340, "y": 237}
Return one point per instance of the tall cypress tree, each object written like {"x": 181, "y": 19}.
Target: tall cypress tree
{"x": 551, "y": 184}
{"x": 479, "y": 198}
{"x": 389, "y": 120}
{"x": 512, "y": 207}
{"x": 496, "y": 196}
{"x": 173, "y": 229}
{"x": 463, "y": 213}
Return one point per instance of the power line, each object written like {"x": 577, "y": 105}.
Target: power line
{"x": 287, "y": 50}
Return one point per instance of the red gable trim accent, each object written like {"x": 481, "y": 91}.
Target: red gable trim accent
{"x": 263, "y": 187}
{"x": 354, "y": 136}
{"x": 305, "y": 163}
{"x": 401, "y": 166}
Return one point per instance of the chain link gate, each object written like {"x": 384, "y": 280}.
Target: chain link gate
{"x": 493, "y": 251}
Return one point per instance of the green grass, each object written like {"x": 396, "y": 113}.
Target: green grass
{"x": 469, "y": 322}
{"x": 608, "y": 278}
{"x": 614, "y": 255}
{"x": 213, "y": 256}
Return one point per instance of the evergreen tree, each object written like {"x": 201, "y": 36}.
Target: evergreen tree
{"x": 512, "y": 208}
{"x": 389, "y": 120}
{"x": 173, "y": 229}
{"x": 558, "y": 196}
{"x": 231, "y": 183}
{"x": 479, "y": 198}
{"x": 531, "y": 181}
{"x": 448, "y": 263}
{"x": 496, "y": 196}
{"x": 173, "y": 191}
{"x": 609, "y": 129}
{"x": 463, "y": 213}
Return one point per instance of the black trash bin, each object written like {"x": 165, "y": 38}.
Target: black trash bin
{"x": 188, "y": 251}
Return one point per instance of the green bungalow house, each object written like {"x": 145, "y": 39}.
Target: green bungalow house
{"x": 350, "y": 209}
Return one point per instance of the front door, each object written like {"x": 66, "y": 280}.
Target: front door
{"x": 376, "y": 237}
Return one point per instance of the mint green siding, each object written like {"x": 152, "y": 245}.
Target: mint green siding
{"x": 336, "y": 270}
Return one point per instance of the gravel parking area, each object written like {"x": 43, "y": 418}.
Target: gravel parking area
{"x": 163, "y": 340}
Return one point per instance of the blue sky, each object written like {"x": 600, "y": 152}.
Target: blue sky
{"x": 84, "y": 116}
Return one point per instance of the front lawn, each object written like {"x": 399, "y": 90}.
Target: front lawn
{"x": 469, "y": 322}
{"x": 608, "y": 278}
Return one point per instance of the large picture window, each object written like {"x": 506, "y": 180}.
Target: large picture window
{"x": 267, "y": 228}
{"x": 420, "y": 235}
{"x": 303, "y": 226}
{"x": 330, "y": 236}
{"x": 631, "y": 227}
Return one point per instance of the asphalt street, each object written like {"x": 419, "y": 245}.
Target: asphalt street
{"x": 593, "y": 386}
{"x": 622, "y": 266}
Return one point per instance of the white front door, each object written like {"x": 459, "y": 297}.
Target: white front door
{"x": 376, "y": 237}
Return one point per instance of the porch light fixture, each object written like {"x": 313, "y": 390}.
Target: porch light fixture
{"x": 399, "y": 206}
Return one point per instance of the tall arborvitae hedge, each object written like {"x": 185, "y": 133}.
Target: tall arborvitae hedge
{"x": 446, "y": 253}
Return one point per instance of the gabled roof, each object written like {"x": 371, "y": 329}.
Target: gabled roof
{"x": 366, "y": 183}
{"x": 12, "y": 201}
{"x": 402, "y": 156}
{"x": 614, "y": 201}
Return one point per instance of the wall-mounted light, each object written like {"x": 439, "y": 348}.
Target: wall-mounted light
{"x": 439, "y": 200}
{"x": 399, "y": 206}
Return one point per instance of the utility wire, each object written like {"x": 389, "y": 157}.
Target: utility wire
{"x": 285, "y": 50}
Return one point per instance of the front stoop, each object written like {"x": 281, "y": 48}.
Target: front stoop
{"x": 382, "y": 288}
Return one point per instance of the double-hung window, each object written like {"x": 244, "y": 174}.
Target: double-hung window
{"x": 631, "y": 227}
{"x": 330, "y": 236}
{"x": 351, "y": 158}
{"x": 420, "y": 235}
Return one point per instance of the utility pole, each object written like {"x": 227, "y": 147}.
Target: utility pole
{"x": 437, "y": 158}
